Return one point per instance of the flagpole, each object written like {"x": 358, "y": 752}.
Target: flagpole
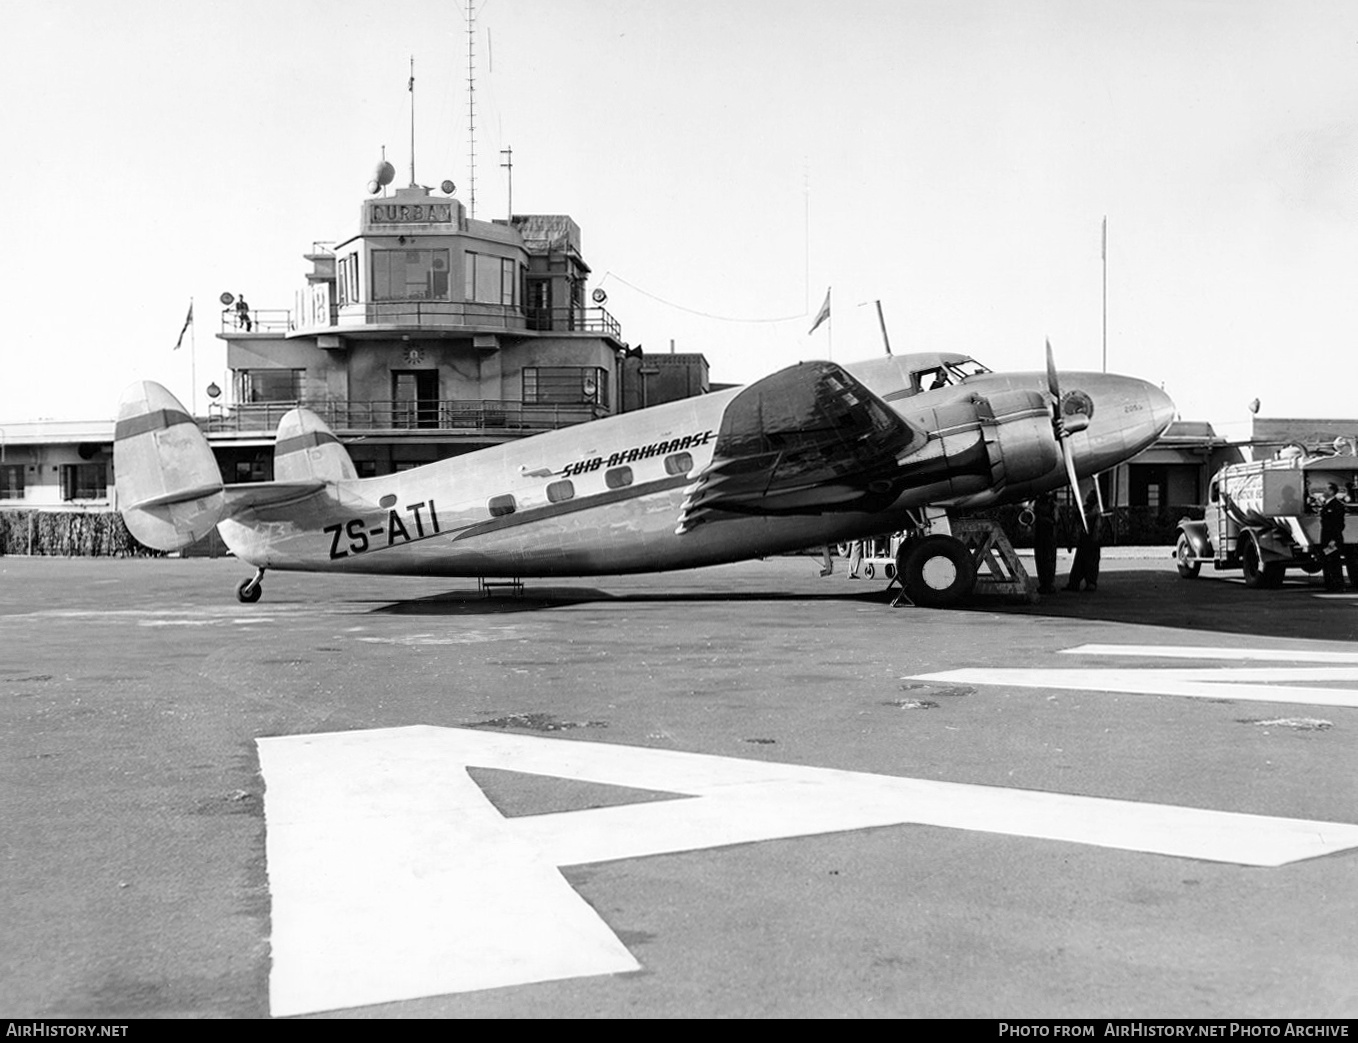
{"x": 1103, "y": 251}
{"x": 193, "y": 362}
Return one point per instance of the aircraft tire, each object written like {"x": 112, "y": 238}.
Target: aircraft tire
{"x": 936, "y": 571}
{"x": 249, "y": 591}
{"x": 1183, "y": 554}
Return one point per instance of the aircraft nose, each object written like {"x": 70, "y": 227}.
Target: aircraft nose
{"x": 1129, "y": 415}
{"x": 1162, "y": 409}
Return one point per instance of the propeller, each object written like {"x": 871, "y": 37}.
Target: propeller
{"x": 1063, "y": 431}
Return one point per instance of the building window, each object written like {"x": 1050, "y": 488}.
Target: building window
{"x": 559, "y": 491}
{"x": 269, "y": 385}
{"x": 84, "y": 481}
{"x": 11, "y": 481}
{"x": 564, "y": 385}
{"x": 499, "y": 506}
{"x": 618, "y": 477}
{"x": 410, "y": 275}
{"x": 491, "y": 280}
{"x": 679, "y": 463}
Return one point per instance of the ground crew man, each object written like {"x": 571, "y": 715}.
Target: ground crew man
{"x": 1332, "y": 538}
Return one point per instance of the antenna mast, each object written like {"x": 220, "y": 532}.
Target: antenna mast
{"x": 471, "y": 105}
{"x": 508, "y": 153}
{"x": 411, "y": 87}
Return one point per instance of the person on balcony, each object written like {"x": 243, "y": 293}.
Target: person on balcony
{"x": 243, "y": 314}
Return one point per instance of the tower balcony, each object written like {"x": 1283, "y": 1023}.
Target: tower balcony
{"x": 377, "y": 316}
{"x": 426, "y": 418}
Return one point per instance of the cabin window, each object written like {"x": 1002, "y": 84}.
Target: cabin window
{"x": 84, "y": 481}
{"x": 558, "y": 491}
{"x": 410, "y": 275}
{"x": 501, "y": 505}
{"x": 11, "y": 482}
{"x": 618, "y": 477}
{"x": 679, "y": 463}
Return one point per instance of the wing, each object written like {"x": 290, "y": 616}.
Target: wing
{"x": 808, "y": 439}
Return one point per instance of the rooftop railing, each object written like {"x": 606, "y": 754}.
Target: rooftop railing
{"x": 432, "y": 314}
{"x": 454, "y": 416}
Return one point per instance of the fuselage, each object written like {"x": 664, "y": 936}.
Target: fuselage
{"x": 608, "y": 497}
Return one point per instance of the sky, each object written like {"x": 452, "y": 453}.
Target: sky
{"x": 728, "y": 161}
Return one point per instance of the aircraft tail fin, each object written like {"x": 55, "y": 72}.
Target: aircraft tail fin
{"x": 169, "y": 485}
{"x": 306, "y": 448}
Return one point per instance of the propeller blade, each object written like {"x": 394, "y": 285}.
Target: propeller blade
{"x": 1062, "y": 435}
{"x": 1074, "y": 482}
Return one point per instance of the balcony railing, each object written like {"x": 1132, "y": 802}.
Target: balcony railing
{"x": 455, "y": 416}
{"x": 435, "y": 314}
{"x": 257, "y": 320}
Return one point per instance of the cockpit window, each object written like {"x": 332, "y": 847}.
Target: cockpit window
{"x": 933, "y": 379}
{"x": 967, "y": 368}
{"x": 946, "y": 374}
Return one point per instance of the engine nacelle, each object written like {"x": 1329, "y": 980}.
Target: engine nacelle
{"x": 1018, "y": 434}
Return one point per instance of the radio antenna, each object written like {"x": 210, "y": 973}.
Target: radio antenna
{"x": 471, "y": 106}
{"x": 411, "y": 87}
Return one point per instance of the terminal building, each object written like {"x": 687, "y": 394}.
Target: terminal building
{"x": 425, "y": 334}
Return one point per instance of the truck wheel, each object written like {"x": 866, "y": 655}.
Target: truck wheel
{"x": 936, "y": 571}
{"x": 1257, "y": 574}
{"x": 1183, "y": 554}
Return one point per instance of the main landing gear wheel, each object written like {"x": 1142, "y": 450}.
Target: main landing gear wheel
{"x": 1183, "y": 556}
{"x": 249, "y": 590}
{"x": 936, "y": 571}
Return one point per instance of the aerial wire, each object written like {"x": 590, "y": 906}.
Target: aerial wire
{"x": 694, "y": 311}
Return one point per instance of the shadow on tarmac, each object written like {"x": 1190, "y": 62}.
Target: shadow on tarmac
{"x": 1146, "y": 597}
{"x": 471, "y": 603}
{"x": 1216, "y": 604}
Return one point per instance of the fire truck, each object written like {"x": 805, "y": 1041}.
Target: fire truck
{"x": 1263, "y": 517}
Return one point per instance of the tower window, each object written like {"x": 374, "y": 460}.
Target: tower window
{"x": 410, "y": 275}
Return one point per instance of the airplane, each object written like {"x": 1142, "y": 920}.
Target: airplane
{"x": 814, "y": 454}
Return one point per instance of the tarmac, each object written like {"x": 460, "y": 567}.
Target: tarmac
{"x": 739, "y": 792}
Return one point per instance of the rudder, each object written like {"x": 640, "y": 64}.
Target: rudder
{"x": 169, "y": 485}
{"x": 306, "y": 448}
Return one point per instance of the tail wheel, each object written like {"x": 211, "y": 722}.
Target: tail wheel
{"x": 1183, "y": 555}
{"x": 936, "y": 571}
{"x": 249, "y": 590}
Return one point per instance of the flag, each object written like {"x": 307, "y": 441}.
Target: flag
{"x": 188, "y": 321}
{"x": 821, "y": 315}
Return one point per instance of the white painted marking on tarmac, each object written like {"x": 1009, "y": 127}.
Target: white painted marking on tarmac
{"x": 1276, "y": 655}
{"x": 1308, "y": 685}
{"x": 393, "y": 877}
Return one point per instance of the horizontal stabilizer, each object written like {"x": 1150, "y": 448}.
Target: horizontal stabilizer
{"x": 306, "y": 448}
{"x": 169, "y": 485}
{"x": 248, "y": 495}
